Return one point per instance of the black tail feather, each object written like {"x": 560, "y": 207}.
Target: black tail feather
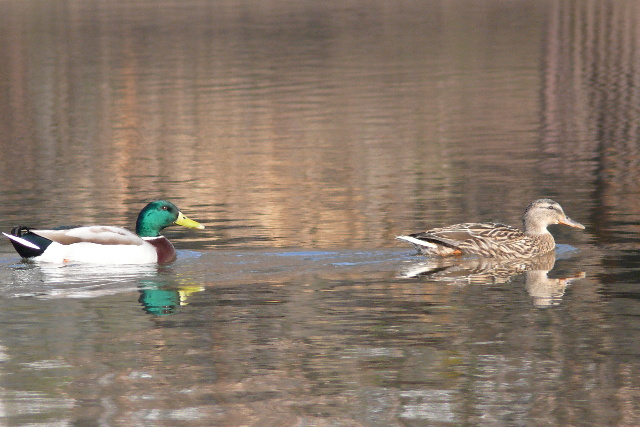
{"x": 26, "y": 234}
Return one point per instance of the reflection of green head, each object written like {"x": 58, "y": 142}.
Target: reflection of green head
{"x": 159, "y": 302}
{"x": 158, "y": 215}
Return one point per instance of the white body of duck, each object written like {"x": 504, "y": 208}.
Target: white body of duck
{"x": 105, "y": 244}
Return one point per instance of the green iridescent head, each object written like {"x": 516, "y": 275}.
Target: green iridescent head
{"x": 161, "y": 214}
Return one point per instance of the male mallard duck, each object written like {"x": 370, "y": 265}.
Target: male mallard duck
{"x": 105, "y": 244}
{"x": 493, "y": 240}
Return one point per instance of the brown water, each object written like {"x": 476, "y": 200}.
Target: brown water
{"x": 306, "y": 136}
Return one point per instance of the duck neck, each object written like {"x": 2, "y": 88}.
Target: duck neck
{"x": 145, "y": 230}
{"x": 534, "y": 228}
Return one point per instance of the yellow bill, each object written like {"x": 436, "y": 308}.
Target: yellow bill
{"x": 186, "y": 222}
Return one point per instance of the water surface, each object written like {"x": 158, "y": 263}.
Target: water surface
{"x": 306, "y": 136}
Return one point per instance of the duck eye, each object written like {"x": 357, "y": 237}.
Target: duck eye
{"x": 551, "y": 207}
{"x": 165, "y": 208}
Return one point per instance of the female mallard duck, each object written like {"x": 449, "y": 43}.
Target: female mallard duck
{"x": 492, "y": 240}
{"x": 105, "y": 244}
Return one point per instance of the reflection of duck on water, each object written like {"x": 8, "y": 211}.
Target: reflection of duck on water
{"x": 545, "y": 291}
{"x": 161, "y": 301}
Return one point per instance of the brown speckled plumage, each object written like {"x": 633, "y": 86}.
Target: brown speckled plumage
{"x": 477, "y": 270}
{"x": 494, "y": 240}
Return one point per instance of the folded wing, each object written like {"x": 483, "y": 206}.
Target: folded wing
{"x": 98, "y": 234}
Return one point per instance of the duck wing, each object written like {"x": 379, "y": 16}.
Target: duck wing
{"x": 98, "y": 234}
{"x": 486, "y": 239}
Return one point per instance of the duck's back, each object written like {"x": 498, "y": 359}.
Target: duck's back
{"x": 98, "y": 234}
{"x": 491, "y": 240}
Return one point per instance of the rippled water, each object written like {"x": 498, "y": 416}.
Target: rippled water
{"x": 306, "y": 136}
